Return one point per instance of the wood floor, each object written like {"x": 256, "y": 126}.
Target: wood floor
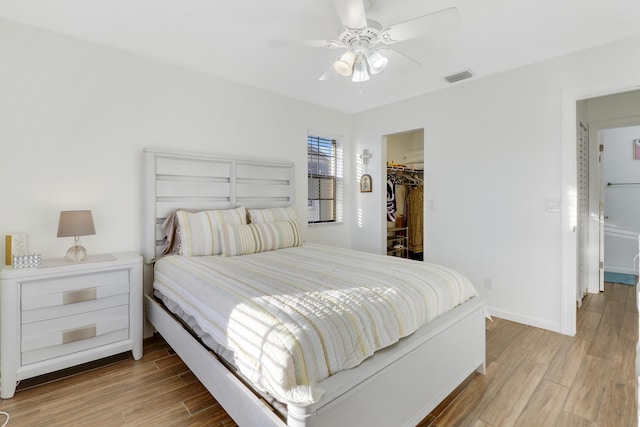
{"x": 540, "y": 378}
{"x": 534, "y": 378}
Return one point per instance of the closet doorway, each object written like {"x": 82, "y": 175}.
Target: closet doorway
{"x": 405, "y": 194}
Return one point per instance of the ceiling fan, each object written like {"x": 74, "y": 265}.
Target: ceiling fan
{"x": 366, "y": 41}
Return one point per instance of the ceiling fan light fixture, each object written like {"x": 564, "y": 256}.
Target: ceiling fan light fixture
{"x": 344, "y": 65}
{"x": 360, "y": 73}
{"x": 377, "y": 62}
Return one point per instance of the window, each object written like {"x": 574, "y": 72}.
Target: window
{"x": 324, "y": 180}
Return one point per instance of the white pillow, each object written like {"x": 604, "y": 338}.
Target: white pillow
{"x": 261, "y": 237}
{"x": 199, "y": 232}
{"x": 258, "y": 216}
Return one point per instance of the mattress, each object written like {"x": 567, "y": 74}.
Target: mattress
{"x": 292, "y": 317}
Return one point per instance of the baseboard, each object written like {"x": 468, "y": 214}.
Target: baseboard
{"x": 621, "y": 270}
{"x": 526, "y": 320}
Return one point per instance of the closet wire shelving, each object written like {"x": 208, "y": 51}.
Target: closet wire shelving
{"x": 398, "y": 237}
{"x": 397, "y": 242}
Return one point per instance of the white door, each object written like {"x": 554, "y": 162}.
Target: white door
{"x": 601, "y": 217}
{"x": 582, "y": 225}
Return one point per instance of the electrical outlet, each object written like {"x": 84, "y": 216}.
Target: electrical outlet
{"x": 488, "y": 283}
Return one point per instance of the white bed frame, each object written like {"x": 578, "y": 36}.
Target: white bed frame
{"x": 397, "y": 386}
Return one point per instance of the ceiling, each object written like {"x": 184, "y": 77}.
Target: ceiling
{"x": 228, "y": 38}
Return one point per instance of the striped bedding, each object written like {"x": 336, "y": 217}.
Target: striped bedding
{"x": 293, "y": 317}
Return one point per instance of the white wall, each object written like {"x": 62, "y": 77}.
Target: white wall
{"x": 612, "y": 108}
{"x": 74, "y": 117}
{"x": 493, "y": 151}
{"x": 622, "y": 202}
{"x": 403, "y": 147}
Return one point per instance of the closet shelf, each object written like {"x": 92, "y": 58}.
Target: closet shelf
{"x": 403, "y": 168}
{"x": 397, "y": 242}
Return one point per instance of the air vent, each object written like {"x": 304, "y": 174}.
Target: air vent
{"x": 457, "y": 77}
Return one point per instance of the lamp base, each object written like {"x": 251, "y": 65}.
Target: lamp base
{"x": 76, "y": 253}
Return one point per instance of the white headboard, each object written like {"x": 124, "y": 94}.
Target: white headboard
{"x": 194, "y": 181}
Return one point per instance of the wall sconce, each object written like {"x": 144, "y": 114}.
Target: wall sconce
{"x": 76, "y": 224}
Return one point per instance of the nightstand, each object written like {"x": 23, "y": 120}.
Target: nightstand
{"x": 63, "y": 314}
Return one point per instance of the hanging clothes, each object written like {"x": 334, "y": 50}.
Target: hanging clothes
{"x": 415, "y": 219}
{"x": 401, "y": 205}
{"x": 391, "y": 200}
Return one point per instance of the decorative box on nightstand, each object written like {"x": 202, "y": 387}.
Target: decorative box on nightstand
{"x": 63, "y": 314}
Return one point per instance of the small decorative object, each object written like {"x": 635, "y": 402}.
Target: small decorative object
{"x": 365, "y": 179}
{"x": 636, "y": 149}
{"x": 15, "y": 244}
{"x": 365, "y": 183}
{"x": 75, "y": 224}
{"x": 26, "y": 261}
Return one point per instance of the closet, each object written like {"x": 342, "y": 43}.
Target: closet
{"x": 405, "y": 194}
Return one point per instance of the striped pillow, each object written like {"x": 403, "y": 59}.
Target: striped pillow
{"x": 199, "y": 232}
{"x": 258, "y": 216}
{"x": 253, "y": 238}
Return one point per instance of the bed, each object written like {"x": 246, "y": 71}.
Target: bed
{"x": 422, "y": 366}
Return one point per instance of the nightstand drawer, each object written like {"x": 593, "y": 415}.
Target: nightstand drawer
{"x": 65, "y": 335}
{"x": 49, "y": 313}
{"x": 70, "y": 289}
{"x": 40, "y": 297}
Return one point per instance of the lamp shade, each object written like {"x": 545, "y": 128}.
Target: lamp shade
{"x": 377, "y": 62}
{"x": 344, "y": 65}
{"x": 360, "y": 73}
{"x": 75, "y": 223}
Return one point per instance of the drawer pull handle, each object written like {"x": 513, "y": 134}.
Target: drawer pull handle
{"x": 73, "y": 335}
{"x": 72, "y": 297}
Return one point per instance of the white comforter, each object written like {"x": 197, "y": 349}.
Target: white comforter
{"x": 295, "y": 316}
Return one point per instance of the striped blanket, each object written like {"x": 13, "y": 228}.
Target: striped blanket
{"x": 293, "y": 317}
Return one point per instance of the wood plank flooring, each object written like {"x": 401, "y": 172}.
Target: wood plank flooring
{"x": 534, "y": 378}
{"x": 540, "y": 378}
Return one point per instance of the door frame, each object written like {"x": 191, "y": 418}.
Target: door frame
{"x": 568, "y": 273}
{"x": 385, "y": 156}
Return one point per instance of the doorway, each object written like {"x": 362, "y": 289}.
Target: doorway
{"x": 611, "y": 244}
{"x": 620, "y": 198}
{"x": 405, "y": 194}
{"x": 621, "y": 179}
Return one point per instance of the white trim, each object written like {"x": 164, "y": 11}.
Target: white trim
{"x": 569, "y": 206}
{"x": 525, "y": 320}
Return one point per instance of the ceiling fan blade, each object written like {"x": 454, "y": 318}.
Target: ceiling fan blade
{"x": 328, "y": 74}
{"x": 421, "y": 26}
{"x": 330, "y": 44}
{"x": 351, "y": 13}
{"x": 399, "y": 61}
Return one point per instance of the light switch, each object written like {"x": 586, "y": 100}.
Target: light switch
{"x": 553, "y": 205}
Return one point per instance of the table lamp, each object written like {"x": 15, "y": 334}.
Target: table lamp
{"x": 76, "y": 224}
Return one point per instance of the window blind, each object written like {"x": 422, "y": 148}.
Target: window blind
{"x": 322, "y": 167}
